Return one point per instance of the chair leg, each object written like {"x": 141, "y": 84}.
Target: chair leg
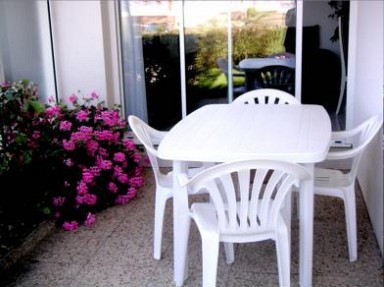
{"x": 161, "y": 200}
{"x": 350, "y": 218}
{"x": 210, "y": 249}
{"x": 287, "y": 211}
{"x": 283, "y": 251}
{"x": 229, "y": 252}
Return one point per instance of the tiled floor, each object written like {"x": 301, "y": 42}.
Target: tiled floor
{"x": 118, "y": 252}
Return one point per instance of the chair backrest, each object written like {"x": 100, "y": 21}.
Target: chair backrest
{"x": 360, "y": 136}
{"x": 247, "y": 194}
{"x": 276, "y": 77}
{"x": 266, "y": 96}
{"x": 148, "y": 136}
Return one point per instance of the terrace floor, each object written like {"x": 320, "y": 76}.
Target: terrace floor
{"x": 117, "y": 251}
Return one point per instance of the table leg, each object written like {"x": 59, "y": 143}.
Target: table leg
{"x": 306, "y": 207}
{"x": 181, "y": 222}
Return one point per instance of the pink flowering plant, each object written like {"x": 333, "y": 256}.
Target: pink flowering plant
{"x": 68, "y": 161}
{"x": 100, "y": 167}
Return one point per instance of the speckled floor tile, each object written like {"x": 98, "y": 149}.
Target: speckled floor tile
{"x": 49, "y": 274}
{"x": 118, "y": 251}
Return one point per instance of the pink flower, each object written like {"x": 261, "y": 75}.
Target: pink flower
{"x": 112, "y": 187}
{"x": 117, "y": 170}
{"x": 95, "y": 171}
{"x": 90, "y": 220}
{"x": 94, "y": 95}
{"x": 73, "y": 98}
{"x": 92, "y": 147}
{"x": 82, "y": 188}
{"x": 70, "y": 226}
{"x": 87, "y": 176}
{"x": 110, "y": 118}
{"x": 80, "y": 136}
{"x": 86, "y": 130}
{"x": 122, "y": 199}
{"x": 68, "y": 162}
{"x": 90, "y": 199}
{"x": 136, "y": 157}
{"x": 36, "y": 135}
{"x": 79, "y": 200}
{"x": 129, "y": 144}
{"x": 119, "y": 157}
{"x": 68, "y": 145}
{"x": 103, "y": 152}
{"x": 58, "y": 201}
{"x": 82, "y": 116}
{"x": 65, "y": 126}
{"x": 123, "y": 178}
{"x": 131, "y": 192}
{"x": 53, "y": 111}
{"x": 104, "y": 135}
{"x": 136, "y": 181}
{"x": 104, "y": 164}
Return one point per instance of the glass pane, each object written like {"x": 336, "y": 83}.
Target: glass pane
{"x": 257, "y": 30}
{"x": 264, "y": 43}
{"x": 206, "y": 40}
{"x": 151, "y": 58}
{"x": 151, "y": 61}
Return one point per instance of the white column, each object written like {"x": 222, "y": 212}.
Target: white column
{"x": 78, "y": 47}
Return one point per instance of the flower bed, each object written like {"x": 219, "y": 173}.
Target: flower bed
{"x": 70, "y": 160}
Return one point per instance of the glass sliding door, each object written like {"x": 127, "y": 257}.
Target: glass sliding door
{"x": 206, "y": 41}
{"x": 181, "y": 55}
{"x": 151, "y": 61}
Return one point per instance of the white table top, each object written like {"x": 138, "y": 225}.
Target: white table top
{"x": 225, "y": 132}
{"x": 258, "y": 63}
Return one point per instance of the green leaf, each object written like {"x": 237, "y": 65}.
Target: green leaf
{"x": 46, "y": 210}
{"x": 37, "y": 107}
{"x": 21, "y": 138}
{"x": 27, "y": 158}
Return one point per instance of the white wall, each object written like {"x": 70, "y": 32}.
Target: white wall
{"x": 25, "y": 50}
{"x": 79, "y": 50}
{"x": 365, "y": 98}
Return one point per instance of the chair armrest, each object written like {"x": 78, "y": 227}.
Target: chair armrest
{"x": 344, "y": 154}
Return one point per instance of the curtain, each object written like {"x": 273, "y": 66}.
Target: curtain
{"x": 133, "y": 64}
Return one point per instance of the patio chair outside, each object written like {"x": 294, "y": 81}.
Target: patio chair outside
{"x": 332, "y": 182}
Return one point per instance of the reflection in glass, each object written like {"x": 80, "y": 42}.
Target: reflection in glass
{"x": 154, "y": 52}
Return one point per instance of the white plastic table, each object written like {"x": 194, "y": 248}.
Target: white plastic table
{"x": 258, "y": 63}
{"x": 226, "y": 132}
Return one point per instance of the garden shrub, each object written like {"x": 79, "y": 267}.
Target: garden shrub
{"x": 77, "y": 155}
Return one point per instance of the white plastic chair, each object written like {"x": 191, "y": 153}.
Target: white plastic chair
{"x": 246, "y": 202}
{"x": 164, "y": 181}
{"x": 266, "y": 96}
{"x": 332, "y": 182}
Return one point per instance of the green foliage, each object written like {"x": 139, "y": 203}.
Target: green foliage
{"x": 18, "y": 110}
{"x": 247, "y": 42}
